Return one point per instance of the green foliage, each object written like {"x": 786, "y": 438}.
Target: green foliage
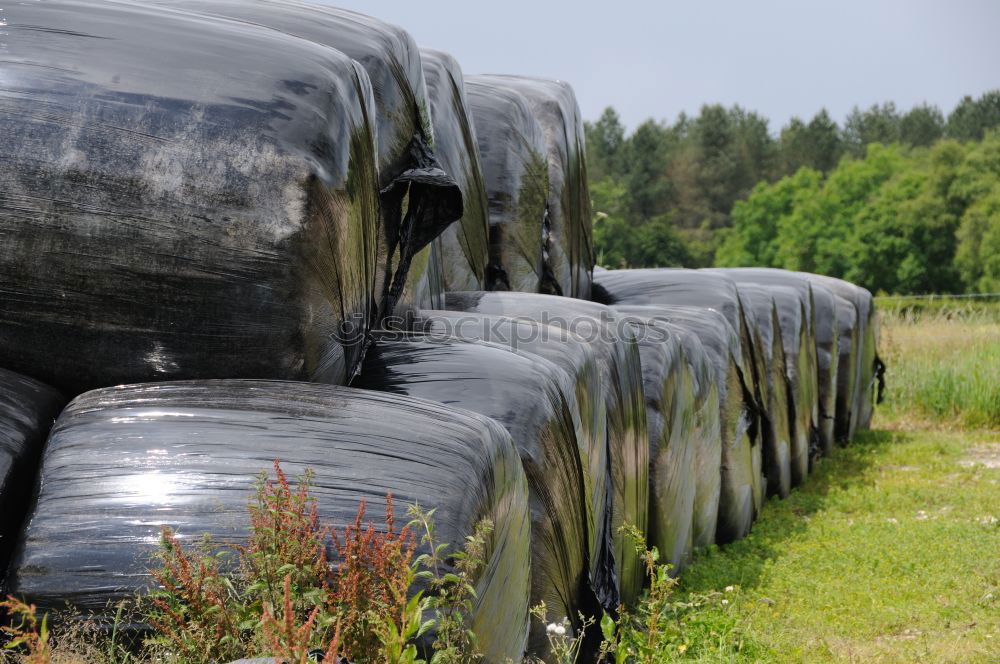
{"x": 972, "y": 118}
{"x": 451, "y": 594}
{"x": 921, "y": 126}
{"x": 900, "y": 220}
{"x": 878, "y": 124}
{"x": 872, "y": 201}
{"x": 817, "y": 145}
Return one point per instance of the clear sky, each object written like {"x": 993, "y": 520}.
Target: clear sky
{"x": 781, "y": 58}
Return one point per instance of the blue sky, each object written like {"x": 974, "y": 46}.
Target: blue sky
{"x": 781, "y": 58}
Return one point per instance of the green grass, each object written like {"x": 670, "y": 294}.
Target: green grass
{"x": 890, "y": 553}
{"x": 943, "y": 368}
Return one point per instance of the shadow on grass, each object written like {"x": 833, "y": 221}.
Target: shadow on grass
{"x": 744, "y": 562}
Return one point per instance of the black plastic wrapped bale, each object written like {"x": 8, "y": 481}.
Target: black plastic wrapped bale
{"x": 465, "y": 244}
{"x": 27, "y": 410}
{"x": 681, "y": 287}
{"x": 699, "y": 289}
{"x": 775, "y": 424}
{"x": 180, "y": 197}
{"x": 847, "y": 367}
{"x": 526, "y": 394}
{"x": 570, "y": 251}
{"x": 708, "y": 446}
{"x": 669, "y": 384}
{"x": 123, "y": 462}
{"x": 513, "y": 151}
{"x": 800, "y": 368}
{"x": 741, "y": 477}
{"x": 621, "y": 378}
{"x": 807, "y": 413}
{"x": 827, "y": 362}
{"x": 579, "y": 359}
{"x": 869, "y": 372}
{"x": 407, "y": 269}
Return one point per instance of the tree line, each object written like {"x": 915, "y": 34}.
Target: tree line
{"x": 897, "y": 201}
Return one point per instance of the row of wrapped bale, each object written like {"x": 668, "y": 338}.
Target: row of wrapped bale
{"x": 785, "y": 348}
{"x": 849, "y": 371}
{"x": 709, "y": 305}
{"x": 278, "y": 197}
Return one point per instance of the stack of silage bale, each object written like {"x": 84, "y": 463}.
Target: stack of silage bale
{"x": 172, "y": 218}
{"x": 190, "y": 197}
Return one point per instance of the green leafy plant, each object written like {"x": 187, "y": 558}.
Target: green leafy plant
{"x": 451, "y": 593}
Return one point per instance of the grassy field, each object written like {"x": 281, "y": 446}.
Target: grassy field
{"x": 891, "y": 552}
{"x": 943, "y": 366}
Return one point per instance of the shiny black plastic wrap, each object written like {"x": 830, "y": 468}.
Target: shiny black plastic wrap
{"x": 775, "y": 425}
{"x": 123, "y": 462}
{"x": 705, "y": 290}
{"x": 827, "y": 362}
{"x": 869, "y": 372}
{"x": 513, "y": 152}
{"x": 580, "y": 360}
{"x": 672, "y": 401}
{"x": 526, "y": 394}
{"x": 410, "y": 176}
{"x": 27, "y": 410}
{"x": 741, "y": 486}
{"x": 806, "y": 429}
{"x": 465, "y": 244}
{"x": 847, "y": 367}
{"x": 682, "y": 287}
{"x": 621, "y": 378}
{"x": 570, "y": 251}
{"x": 180, "y": 197}
{"x": 800, "y": 368}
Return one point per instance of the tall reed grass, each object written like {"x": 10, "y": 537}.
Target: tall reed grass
{"x": 943, "y": 359}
